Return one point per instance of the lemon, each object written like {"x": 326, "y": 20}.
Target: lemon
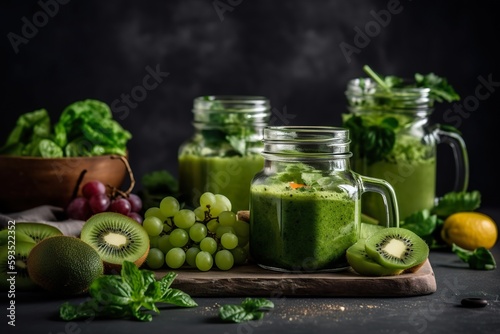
{"x": 470, "y": 230}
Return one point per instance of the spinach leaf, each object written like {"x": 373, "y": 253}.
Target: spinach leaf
{"x": 440, "y": 89}
{"x": 84, "y": 128}
{"x": 29, "y": 130}
{"x": 127, "y": 296}
{"x": 249, "y": 309}
{"x": 372, "y": 140}
{"x": 480, "y": 258}
{"x": 453, "y": 202}
{"x": 421, "y": 222}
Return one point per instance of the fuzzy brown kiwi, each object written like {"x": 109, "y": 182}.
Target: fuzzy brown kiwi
{"x": 64, "y": 265}
{"x": 397, "y": 248}
{"x": 116, "y": 238}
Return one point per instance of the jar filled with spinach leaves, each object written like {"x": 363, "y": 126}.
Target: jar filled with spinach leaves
{"x": 223, "y": 155}
{"x": 393, "y": 139}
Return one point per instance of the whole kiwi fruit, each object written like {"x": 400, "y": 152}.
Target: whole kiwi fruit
{"x": 64, "y": 265}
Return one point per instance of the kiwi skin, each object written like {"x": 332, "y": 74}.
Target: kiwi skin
{"x": 416, "y": 247}
{"x": 110, "y": 222}
{"x": 64, "y": 265}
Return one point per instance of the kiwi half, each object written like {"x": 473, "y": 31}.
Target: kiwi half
{"x": 397, "y": 248}
{"x": 363, "y": 264}
{"x": 14, "y": 269}
{"x": 116, "y": 238}
{"x": 29, "y": 232}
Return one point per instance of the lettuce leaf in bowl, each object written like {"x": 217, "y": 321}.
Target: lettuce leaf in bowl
{"x": 84, "y": 128}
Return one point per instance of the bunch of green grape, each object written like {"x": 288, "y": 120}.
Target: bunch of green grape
{"x": 209, "y": 235}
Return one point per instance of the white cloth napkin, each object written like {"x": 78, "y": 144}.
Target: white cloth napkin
{"x": 46, "y": 214}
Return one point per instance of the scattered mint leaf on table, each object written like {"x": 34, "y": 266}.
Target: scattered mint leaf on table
{"x": 249, "y": 309}
{"x": 480, "y": 258}
{"x": 128, "y": 295}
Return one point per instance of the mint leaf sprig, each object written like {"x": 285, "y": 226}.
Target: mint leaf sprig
{"x": 249, "y": 309}
{"x": 127, "y": 296}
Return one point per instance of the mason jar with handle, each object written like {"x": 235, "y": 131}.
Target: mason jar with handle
{"x": 393, "y": 139}
{"x": 305, "y": 204}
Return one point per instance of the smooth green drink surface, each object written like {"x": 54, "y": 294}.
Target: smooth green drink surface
{"x": 414, "y": 184}
{"x": 301, "y": 230}
{"x": 229, "y": 176}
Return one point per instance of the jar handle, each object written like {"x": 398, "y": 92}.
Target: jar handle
{"x": 385, "y": 189}
{"x": 457, "y": 145}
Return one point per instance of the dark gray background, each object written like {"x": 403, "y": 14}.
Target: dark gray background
{"x": 288, "y": 51}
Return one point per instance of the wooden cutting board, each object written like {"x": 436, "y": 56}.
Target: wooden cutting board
{"x": 253, "y": 281}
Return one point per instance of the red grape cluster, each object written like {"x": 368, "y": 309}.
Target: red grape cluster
{"x": 95, "y": 200}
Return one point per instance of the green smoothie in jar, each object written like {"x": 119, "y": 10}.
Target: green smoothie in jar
{"x": 393, "y": 138}
{"x": 305, "y": 229}
{"x": 223, "y": 154}
{"x": 305, "y": 204}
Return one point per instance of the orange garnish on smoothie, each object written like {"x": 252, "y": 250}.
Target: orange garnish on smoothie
{"x": 296, "y": 185}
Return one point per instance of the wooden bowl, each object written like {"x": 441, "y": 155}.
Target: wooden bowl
{"x": 27, "y": 182}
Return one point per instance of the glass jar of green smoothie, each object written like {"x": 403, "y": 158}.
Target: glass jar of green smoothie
{"x": 393, "y": 139}
{"x": 305, "y": 204}
{"x": 225, "y": 151}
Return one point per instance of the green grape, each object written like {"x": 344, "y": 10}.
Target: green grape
{"x": 223, "y": 201}
{"x": 227, "y": 218}
{"x": 179, "y": 237}
{"x": 155, "y": 258}
{"x": 191, "y": 256}
{"x": 197, "y": 232}
{"x": 229, "y": 240}
{"x": 207, "y": 199}
{"x": 217, "y": 209}
{"x": 204, "y": 261}
{"x": 213, "y": 225}
{"x": 153, "y": 241}
{"x": 153, "y": 225}
{"x": 154, "y": 212}
{"x": 169, "y": 206}
{"x": 224, "y": 259}
{"x": 241, "y": 228}
{"x": 240, "y": 255}
{"x": 199, "y": 212}
{"x": 168, "y": 225}
{"x": 224, "y": 229}
{"x": 208, "y": 245}
{"x": 184, "y": 218}
{"x": 243, "y": 241}
{"x": 175, "y": 258}
{"x": 164, "y": 243}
